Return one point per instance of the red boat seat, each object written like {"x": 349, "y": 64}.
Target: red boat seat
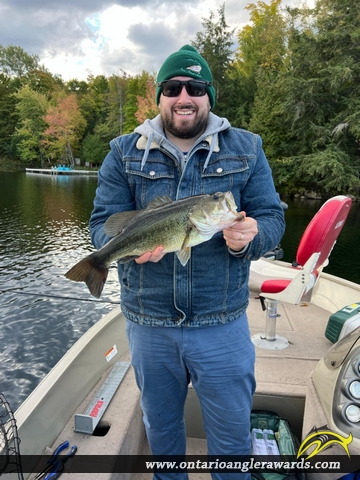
{"x": 274, "y": 286}
{"x": 312, "y": 256}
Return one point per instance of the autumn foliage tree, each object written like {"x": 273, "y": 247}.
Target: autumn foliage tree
{"x": 66, "y": 126}
{"x": 146, "y": 105}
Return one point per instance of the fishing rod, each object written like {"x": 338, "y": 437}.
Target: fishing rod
{"x": 58, "y": 297}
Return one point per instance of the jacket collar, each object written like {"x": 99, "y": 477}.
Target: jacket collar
{"x": 152, "y": 137}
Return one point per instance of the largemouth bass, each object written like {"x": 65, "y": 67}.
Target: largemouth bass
{"x": 175, "y": 225}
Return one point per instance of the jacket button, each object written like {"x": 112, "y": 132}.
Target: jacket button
{"x": 219, "y": 170}
{"x": 152, "y": 173}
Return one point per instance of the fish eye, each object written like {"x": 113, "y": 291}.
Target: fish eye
{"x": 216, "y": 196}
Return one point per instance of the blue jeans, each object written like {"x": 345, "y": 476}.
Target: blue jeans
{"x": 219, "y": 361}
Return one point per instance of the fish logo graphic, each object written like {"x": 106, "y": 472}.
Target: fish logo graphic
{"x": 194, "y": 68}
{"x": 322, "y": 439}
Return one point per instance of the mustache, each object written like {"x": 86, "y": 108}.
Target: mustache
{"x": 187, "y": 106}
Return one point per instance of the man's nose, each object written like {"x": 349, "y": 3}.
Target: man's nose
{"x": 184, "y": 94}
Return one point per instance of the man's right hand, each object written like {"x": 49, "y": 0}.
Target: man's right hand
{"x": 154, "y": 256}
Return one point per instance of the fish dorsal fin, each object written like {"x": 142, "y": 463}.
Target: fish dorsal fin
{"x": 159, "y": 202}
{"x": 116, "y": 222}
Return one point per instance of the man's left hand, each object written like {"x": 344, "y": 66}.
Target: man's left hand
{"x": 240, "y": 234}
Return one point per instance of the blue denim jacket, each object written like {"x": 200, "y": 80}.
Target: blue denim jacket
{"x": 213, "y": 286}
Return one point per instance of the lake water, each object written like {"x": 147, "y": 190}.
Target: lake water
{"x": 44, "y": 231}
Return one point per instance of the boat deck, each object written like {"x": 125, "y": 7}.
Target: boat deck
{"x": 285, "y": 372}
{"x": 282, "y": 377}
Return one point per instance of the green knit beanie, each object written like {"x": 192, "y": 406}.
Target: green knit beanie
{"x": 186, "y": 62}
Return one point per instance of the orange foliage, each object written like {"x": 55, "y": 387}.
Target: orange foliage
{"x": 65, "y": 125}
{"x": 146, "y": 105}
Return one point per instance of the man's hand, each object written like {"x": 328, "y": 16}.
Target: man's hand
{"x": 240, "y": 234}
{"x": 153, "y": 256}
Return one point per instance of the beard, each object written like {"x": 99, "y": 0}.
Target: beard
{"x": 183, "y": 128}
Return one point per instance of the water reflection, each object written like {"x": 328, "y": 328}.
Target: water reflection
{"x": 44, "y": 226}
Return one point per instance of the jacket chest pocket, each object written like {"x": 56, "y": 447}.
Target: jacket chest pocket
{"x": 222, "y": 174}
{"x": 157, "y": 177}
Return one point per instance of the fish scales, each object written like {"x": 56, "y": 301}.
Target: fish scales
{"x": 168, "y": 228}
{"x": 175, "y": 225}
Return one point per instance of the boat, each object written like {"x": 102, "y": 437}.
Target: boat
{"x": 304, "y": 371}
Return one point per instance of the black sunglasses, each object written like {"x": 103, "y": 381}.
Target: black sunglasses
{"x": 194, "y": 88}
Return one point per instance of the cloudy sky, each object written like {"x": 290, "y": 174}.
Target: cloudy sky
{"x": 75, "y": 38}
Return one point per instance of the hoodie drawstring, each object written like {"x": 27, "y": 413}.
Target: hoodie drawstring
{"x": 212, "y": 146}
{"x": 147, "y": 149}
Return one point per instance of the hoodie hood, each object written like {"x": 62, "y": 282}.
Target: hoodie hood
{"x": 152, "y": 136}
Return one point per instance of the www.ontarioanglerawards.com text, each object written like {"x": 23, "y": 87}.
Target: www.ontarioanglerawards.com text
{"x": 241, "y": 466}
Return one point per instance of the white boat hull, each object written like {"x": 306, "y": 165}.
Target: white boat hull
{"x": 46, "y": 418}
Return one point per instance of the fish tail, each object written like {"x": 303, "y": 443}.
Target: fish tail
{"x": 88, "y": 271}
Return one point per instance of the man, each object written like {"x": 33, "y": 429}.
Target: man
{"x": 189, "y": 323}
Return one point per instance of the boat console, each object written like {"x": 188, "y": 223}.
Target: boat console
{"x": 337, "y": 382}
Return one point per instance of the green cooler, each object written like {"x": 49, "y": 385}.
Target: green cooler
{"x": 343, "y": 322}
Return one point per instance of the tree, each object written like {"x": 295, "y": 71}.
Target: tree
{"x": 65, "y": 128}
{"x": 30, "y": 107}
{"x": 77, "y": 86}
{"x": 215, "y": 44}
{"x": 44, "y": 82}
{"x": 259, "y": 56}
{"x": 113, "y": 120}
{"x": 263, "y": 60}
{"x": 94, "y": 149}
{"x": 146, "y": 107}
{"x": 321, "y": 100}
{"x": 138, "y": 86}
{"x": 93, "y": 103}
{"x": 14, "y": 61}
{"x": 7, "y": 114}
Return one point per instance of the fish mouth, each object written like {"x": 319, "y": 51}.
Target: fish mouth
{"x": 229, "y": 202}
{"x": 230, "y": 208}
{"x": 226, "y": 210}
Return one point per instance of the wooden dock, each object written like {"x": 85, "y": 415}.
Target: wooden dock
{"x": 59, "y": 171}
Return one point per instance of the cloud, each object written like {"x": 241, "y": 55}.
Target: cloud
{"x": 37, "y": 29}
{"x": 75, "y": 38}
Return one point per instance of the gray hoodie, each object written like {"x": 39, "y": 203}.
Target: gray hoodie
{"x": 153, "y": 136}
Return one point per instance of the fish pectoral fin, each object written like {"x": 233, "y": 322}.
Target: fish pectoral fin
{"x": 116, "y": 222}
{"x": 184, "y": 255}
{"x": 185, "y": 251}
{"x": 159, "y": 201}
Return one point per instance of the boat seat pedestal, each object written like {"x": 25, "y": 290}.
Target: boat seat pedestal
{"x": 270, "y": 340}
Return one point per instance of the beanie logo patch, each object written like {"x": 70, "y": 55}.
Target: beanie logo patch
{"x": 195, "y": 68}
